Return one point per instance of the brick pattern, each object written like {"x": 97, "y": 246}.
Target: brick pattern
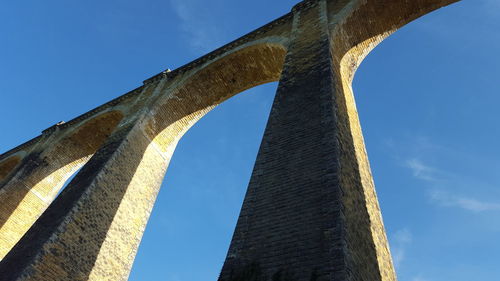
{"x": 91, "y": 232}
{"x": 42, "y": 174}
{"x": 292, "y": 223}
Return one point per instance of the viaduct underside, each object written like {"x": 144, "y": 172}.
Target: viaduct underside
{"x": 310, "y": 212}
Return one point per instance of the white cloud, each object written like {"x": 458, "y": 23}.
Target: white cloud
{"x": 403, "y": 236}
{"x": 401, "y": 240}
{"x": 440, "y": 182}
{"x": 421, "y": 170}
{"x": 201, "y": 33}
{"x": 446, "y": 199}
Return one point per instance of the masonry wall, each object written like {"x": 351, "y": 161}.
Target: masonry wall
{"x": 306, "y": 190}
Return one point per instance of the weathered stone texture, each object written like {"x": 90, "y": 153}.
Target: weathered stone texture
{"x": 290, "y": 226}
{"x": 305, "y": 212}
{"x": 310, "y": 212}
{"x": 41, "y": 176}
{"x": 7, "y": 166}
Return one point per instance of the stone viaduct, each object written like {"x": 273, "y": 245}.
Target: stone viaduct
{"x": 310, "y": 212}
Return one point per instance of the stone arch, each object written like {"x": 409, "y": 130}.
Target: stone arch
{"x": 363, "y": 26}
{"x": 151, "y": 143}
{"x": 368, "y": 23}
{"x": 185, "y": 103}
{"x": 145, "y": 148}
{"x": 76, "y": 146}
{"x": 42, "y": 175}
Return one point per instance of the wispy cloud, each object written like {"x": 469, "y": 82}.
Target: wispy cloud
{"x": 444, "y": 186}
{"x": 447, "y": 199}
{"x": 421, "y": 170}
{"x": 440, "y": 181}
{"x": 202, "y": 33}
{"x": 401, "y": 240}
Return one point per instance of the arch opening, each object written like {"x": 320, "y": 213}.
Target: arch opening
{"x": 427, "y": 124}
{"x": 208, "y": 87}
{"x": 158, "y": 132}
{"x": 199, "y": 94}
{"x": 200, "y": 200}
{"x": 34, "y": 187}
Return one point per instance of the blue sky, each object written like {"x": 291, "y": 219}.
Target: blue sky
{"x": 427, "y": 96}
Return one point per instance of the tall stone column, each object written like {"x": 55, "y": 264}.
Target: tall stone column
{"x": 310, "y": 211}
{"x": 93, "y": 228}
